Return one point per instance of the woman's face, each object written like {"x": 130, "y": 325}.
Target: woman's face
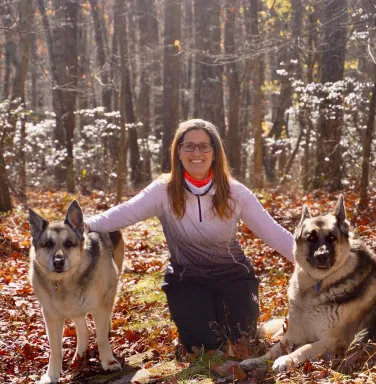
{"x": 196, "y": 163}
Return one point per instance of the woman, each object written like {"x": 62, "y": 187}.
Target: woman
{"x": 211, "y": 288}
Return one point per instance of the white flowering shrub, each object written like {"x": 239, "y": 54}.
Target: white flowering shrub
{"x": 96, "y": 148}
{"x": 351, "y": 98}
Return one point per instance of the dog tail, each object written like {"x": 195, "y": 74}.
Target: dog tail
{"x": 118, "y": 244}
{"x": 272, "y": 328}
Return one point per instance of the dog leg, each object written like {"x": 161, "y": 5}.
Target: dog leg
{"x": 101, "y": 320}
{"x": 307, "y": 351}
{"x": 82, "y": 337}
{"x": 54, "y": 327}
{"x": 272, "y": 328}
{"x": 272, "y": 354}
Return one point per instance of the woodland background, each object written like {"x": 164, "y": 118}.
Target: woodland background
{"x": 91, "y": 93}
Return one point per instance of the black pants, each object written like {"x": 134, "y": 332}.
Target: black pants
{"x": 210, "y": 312}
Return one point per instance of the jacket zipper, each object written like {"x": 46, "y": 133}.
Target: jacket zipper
{"x": 198, "y": 198}
{"x": 199, "y": 208}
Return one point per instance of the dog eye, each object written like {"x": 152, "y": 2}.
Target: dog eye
{"x": 68, "y": 244}
{"x": 331, "y": 238}
{"x": 49, "y": 244}
{"x": 312, "y": 237}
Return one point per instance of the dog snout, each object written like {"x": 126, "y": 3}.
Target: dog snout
{"x": 59, "y": 261}
{"x": 322, "y": 254}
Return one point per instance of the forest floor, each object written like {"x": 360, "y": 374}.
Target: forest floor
{"x": 143, "y": 337}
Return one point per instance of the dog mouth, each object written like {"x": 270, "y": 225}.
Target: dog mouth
{"x": 323, "y": 267}
{"x": 320, "y": 264}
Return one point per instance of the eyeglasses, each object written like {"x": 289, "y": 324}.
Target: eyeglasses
{"x": 202, "y": 147}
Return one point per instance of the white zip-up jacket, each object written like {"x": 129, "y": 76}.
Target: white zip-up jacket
{"x": 201, "y": 245}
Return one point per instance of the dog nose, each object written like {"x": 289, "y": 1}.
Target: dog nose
{"x": 322, "y": 254}
{"x": 59, "y": 260}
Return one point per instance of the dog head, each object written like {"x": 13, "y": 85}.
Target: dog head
{"x": 57, "y": 246}
{"x": 322, "y": 243}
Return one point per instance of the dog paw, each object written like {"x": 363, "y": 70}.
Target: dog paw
{"x": 283, "y": 364}
{"x": 48, "y": 379}
{"x": 250, "y": 364}
{"x": 111, "y": 365}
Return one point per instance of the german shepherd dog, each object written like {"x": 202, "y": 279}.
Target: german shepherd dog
{"x": 332, "y": 291}
{"x": 72, "y": 273}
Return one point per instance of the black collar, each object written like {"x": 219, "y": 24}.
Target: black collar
{"x": 202, "y": 194}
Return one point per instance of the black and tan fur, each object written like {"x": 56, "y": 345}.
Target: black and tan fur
{"x": 73, "y": 273}
{"x": 332, "y": 292}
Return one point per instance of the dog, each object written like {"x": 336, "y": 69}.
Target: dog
{"x": 331, "y": 291}
{"x": 73, "y": 273}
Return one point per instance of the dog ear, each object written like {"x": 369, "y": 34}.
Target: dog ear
{"x": 305, "y": 215}
{"x": 340, "y": 214}
{"x": 37, "y": 226}
{"x": 75, "y": 219}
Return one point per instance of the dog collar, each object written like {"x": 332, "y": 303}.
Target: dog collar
{"x": 317, "y": 286}
{"x": 56, "y": 287}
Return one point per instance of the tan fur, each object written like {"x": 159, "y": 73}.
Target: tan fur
{"x": 321, "y": 319}
{"x": 87, "y": 285}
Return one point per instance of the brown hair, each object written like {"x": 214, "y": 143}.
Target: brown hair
{"x": 221, "y": 171}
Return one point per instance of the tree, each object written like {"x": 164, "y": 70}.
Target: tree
{"x": 145, "y": 28}
{"x": 186, "y": 85}
{"x": 208, "y": 93}
{"x": 258, "y": 180}
{"x": 120, "y": 21}
{"x": 66, "y": 59}
{"x": 20, "y": 58}
{"x": 62, "y": 51}
{"x": 171, "y": 77}
{"x": 5, "y": 201}
{"x": 134, "y": 152}
{"x": 101, "y": 54}
{"x": 328, "y": 150}
{"x": 232, "y": 74}
{"x": 363, "y": 203}
{"x": 18, "y": 93}
{"x": 10, "y": 49}
{"x": 310, "y": 63}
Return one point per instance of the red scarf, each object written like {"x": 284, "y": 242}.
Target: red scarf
{"x": 198, "y": 183}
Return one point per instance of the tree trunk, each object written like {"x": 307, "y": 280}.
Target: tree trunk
{"x": 101, "y": 55}
{"x": 311, "y": 60}
{"x": 208, "y": 97}
{"x": 120, "y": 21}
{"x": 34, "y": 76}
{"x": 244, "y": 121}
{"x": 367, "y": 146}
{"x": 328, "y": 152}
{"x": 57, "y": 95}
{"x": 258, "y": 179}
{"x": 134, "y": 152}
{"x": 186, "y": 88}
{"x": 171, "y": 76}
{"x": 157, "y": 78}
{"x": 25, "y": 23}
{"x": 84, "y": 89}
{"x": 10, "y": 51}
{"x": 233, "y": 136}
{"x": 71, "y": 73}
{"x": 145, "y": 28}
{"x": 114, "y": 65}
{"x": 5, "y": 202}
{"x": 65, "y": 63}
{"x": 306, "y": 180}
